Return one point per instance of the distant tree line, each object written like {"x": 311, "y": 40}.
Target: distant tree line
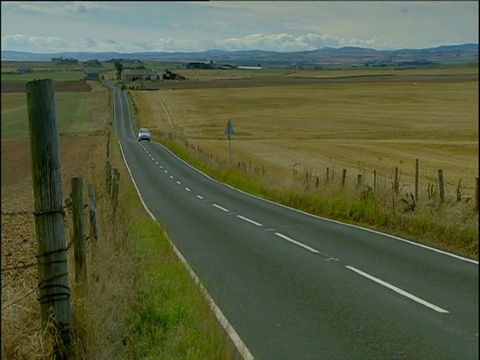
{"x": 199, "y": 65}
{"x": 64, "y": 61}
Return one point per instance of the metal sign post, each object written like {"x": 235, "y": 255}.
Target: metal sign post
{"x": 229, "y": 131}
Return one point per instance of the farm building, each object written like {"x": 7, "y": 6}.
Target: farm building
{"x": 92, "y": 75}
{"x": 129, "y": 75}
{"x": 24, "y": 70}
{"x": 250, "y": 67}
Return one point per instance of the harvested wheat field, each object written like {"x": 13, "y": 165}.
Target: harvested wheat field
{"x": 361, "y": 124}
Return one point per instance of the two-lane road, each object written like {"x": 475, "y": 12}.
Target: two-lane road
{"x": 296, "y": 286}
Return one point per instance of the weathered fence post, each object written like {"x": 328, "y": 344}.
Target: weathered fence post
{"x": 108, "y": 144}
{"x": 359, "y": 181}
{"x": 442, "y": 189}
{"x": 53, "y": 283}
{"x": 92, "y": 211}
{"x": 344, "y": 175}
{"x": 416, "y": 180}
{"x": 328, "y": 174}
{"x": 395, "y": 181}
{"x": 116, "y": 179}
{"x": 476, "y": 195}
{"x": 374, "y": 180}
{"x": 80, "y": 248}
{"x": 108, "y": 173}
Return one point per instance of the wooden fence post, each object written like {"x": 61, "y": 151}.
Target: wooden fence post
{"x": 53, "y": 283}
{"x": 80, "y": 248}
{"x": 442, "y": 189}
{"x": 476, "y": 196}
{"x": 92, "y": 211}
{"x": 359, "y": 180}
{"x": 116, "y": 179}
{"x": 395, "y": 181}
{"x": 374, "y": 180}
{"x": 416, "y": 180}
{"x": 344, "y": 175}
{"x": 108, "y": 173}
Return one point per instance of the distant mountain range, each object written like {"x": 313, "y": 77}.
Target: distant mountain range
{"x": 346, "y": 56}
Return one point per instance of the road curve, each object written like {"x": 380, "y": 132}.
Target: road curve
{"x": 296, "y": 286}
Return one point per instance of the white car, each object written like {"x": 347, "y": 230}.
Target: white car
{"x": 144, "y": 134}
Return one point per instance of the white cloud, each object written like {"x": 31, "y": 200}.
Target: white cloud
{"x": 236, "y": 25}
{"x": 34, "y": 44}
{"x": 83, "y": 7}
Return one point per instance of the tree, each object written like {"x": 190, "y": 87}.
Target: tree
{"x": 119, "y": 67}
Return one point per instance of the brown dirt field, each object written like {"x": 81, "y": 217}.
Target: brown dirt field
{"x": 60, "y": 86}
{"x": 360, "y": 124}
{"x": 20, "y": 310}
{"x": 77, "y": 156}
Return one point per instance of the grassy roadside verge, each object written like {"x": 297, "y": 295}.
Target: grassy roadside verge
{"x": 450, "y": 226}
{"x": 170, "y": 319}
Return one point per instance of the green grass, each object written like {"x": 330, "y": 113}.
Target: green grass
{"x": 56, "y": 75}
{"x": 171, "y": 318}
{"x": 73, "y": 113}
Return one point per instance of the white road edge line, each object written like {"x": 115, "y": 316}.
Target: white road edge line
{"x": 233, "y": 335}
{"x": 297, "y": 243}
{"x": 399, "y": 291}
{"x": 326, "y": 219}
{"x": 249, "y": 220}
{"x": 221, "y": 208}
{"x": 348, "y": 225}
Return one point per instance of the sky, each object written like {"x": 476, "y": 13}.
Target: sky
{"x": 124, "y": 26}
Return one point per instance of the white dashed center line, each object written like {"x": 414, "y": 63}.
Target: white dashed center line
{"x": 297, "y": 243}
{"x": 399, "y": 291}
{"x": 249, "y": 220}
{"x": 221, "y": 208}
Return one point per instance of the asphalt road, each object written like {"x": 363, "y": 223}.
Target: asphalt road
{"x": 296, "y": 286}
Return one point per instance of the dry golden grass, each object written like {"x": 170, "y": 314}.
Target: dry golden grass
{"x": 357, "y": 126}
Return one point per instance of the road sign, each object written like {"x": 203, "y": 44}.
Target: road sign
{"x": 229, "y": 129}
